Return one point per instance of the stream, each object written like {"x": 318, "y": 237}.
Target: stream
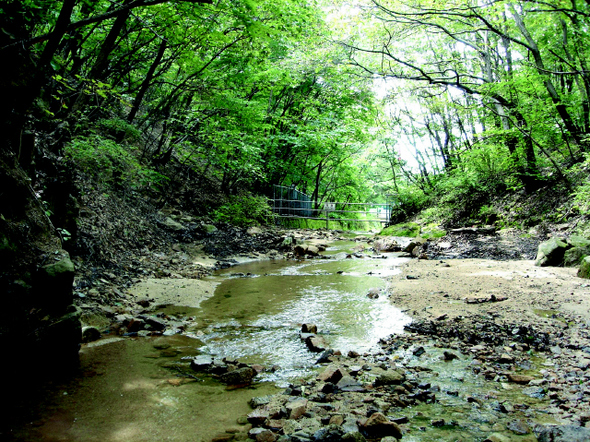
{"x": 142, "y": 388}
{"x": 127, "y": 389}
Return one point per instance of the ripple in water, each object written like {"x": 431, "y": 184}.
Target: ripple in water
{"x": 264, "y": 314}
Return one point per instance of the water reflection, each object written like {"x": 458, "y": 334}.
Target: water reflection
{"x": 257, "y": 318}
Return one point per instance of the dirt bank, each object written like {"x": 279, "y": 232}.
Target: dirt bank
{"x": 511, "y": 290}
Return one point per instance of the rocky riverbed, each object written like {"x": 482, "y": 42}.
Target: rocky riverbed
{"x": 498, "y": 349}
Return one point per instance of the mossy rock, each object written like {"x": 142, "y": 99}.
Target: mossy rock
{"x": 574, "y": 256}
{"x": 578, "y": 241}
{"x": 432, "y": 231}
{"x": 584, "y": 271}
{"x": 551, "y": 252}
{"x": 410, "y": 230}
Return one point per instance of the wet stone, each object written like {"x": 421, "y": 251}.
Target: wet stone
{"x": 201, "y": 362}
{"x": 349, "y": 384}
{"x": 519, "y": 379}
{"x": 331, "y": 374}
{"x": 378, "y": 426}
{"x": 391, "y": 377}
{"x": 262, "y": 435}
{"x": 90, "y": 334}
{"x": 518, "y": 427}
{"x": 309, "y": 328}
{"x": 449, "y": 356}
{"x": 534, "y": 392}
{"x": 240, "y": 376}
{"x": 316, "y": 343}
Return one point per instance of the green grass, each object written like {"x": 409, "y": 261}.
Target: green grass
{"x": 411, "y": 230}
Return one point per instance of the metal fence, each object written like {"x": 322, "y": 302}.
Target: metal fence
{"x": 288, "y": 202}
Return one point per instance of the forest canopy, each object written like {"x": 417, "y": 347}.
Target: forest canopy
{"x": 437, "y": 102}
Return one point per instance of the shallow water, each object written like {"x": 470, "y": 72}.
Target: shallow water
{"x": 257, "y": 318}
{"x": 131, "y": 389}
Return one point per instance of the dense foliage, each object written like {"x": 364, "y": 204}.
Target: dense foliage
{"x": 437, "y": 102}
{"x": 245, "y": 94}
{"x": 488, "y": 97}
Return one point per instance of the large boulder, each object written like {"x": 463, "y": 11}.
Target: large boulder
{"x": 414, "y": 244}
{"x": 580, "y": 248}
{"x": 573, "y": 257}
{"x": 584, "y": 270}
{"x": 387, "y": 244}
{"x": 56, "y": 279}
{"x": 551, "y": 252}
{"x": 306, "y": 250}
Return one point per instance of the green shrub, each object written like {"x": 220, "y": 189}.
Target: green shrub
{"x": 582, "y": 192}
{"x": 118, "y": 127}
{"x": 407, "y": 203}
{"x": 245, "y": 210}
{"x": 432, "y": 231}
{"x": 411, "y": 230}
{"x": 109, "y": 161}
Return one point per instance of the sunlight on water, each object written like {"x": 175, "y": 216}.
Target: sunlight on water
{"x": 257, "y": 319}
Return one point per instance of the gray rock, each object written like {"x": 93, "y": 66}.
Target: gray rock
{"x": 301, "y": 250}
{"x": 564, "y": 433}
{"x": 57, "y": 279}
{"x": 254, "y": 231}
{"x": 259, "y": 401}
{"x": 448, "y": 356}
{"x": 413, "y": 244}
{"x": 301, "y": 436}
{"x": 201, "y": 362}
{"x": 309, "y": 328}
{"x": 316, "y": 343}
{"x": 373, "y": 293}
{"x": 258, "y": 416}
{"x": 209, "y": 229}
{"x": 172, "y": 225}
{"x": 348, "y": 383}
{"x": 550, "y": 253}
{"x": 296, "y": 408}
{"x": 518, "y": 426}
{"x": 90, "y": 334}
{"x": 262, "y": 435}
{"x": 387, "y": 245}
{"x": 240, "y": 376}
{"x": 390, "y": 377}
{"x": 354, "y": 436}
{"x": 331, "y": 374}
{"x": 534, "y": 392}
{"x": 330, "y": 433}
